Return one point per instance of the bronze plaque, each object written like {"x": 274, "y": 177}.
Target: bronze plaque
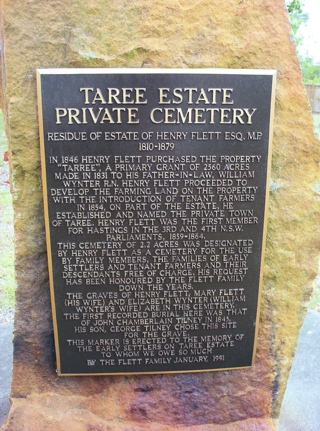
{"x": 155, "y": 193}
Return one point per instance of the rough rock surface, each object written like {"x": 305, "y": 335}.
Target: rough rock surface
{"x": 167, "y": 33}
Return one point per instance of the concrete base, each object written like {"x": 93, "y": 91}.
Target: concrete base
{"x": 300, "y": 408}
{"x": 6, "y": 351}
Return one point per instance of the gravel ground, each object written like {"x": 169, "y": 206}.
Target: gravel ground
{"x": 6, "y": 315}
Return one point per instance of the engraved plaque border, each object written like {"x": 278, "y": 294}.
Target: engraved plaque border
{"x": 184, "y": 72}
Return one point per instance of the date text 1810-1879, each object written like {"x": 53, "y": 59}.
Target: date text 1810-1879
{"x": 155, "y": 194}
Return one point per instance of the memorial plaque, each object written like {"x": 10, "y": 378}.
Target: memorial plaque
{"x": 155, "y": 193}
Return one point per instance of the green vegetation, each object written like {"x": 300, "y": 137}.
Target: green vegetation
{"x": 314, "y": 302}
{"x": 310, "y": 71}
{"x": 296, "y": 18}
{"x": 7, "y": 280}
{"x": 3, "y": 139}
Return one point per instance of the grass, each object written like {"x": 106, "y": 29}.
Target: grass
{"x": 7, "y": 279}
{"x": 314, "y": 302}
{"x": 3, "y": 139}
